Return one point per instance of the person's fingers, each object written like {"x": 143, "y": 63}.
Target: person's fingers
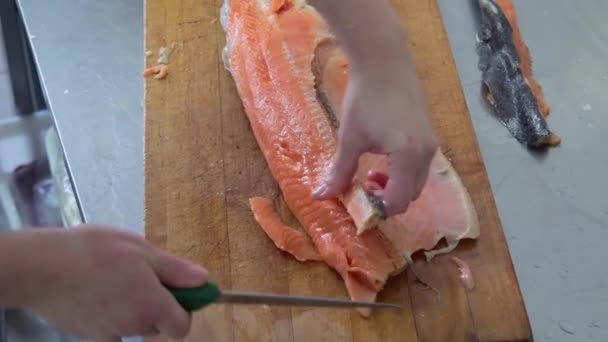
{"x": 149, "y": 332}
{"x": 108, "y": 339}
{"x": 375, "y": 182}
{"x": 116, "y": 339}
{"x": 421, "y": 178}
{"x": 174, "y": 321}
{"x": 174, "y": 271}
{"x": 178, "y": 272}
{"x": 423, "y": 171}
{"x": 400, "y": 186}
{"x": 371, "y": 187}
{"x": 342, "y": 170}
{"x": 379, "y": 178}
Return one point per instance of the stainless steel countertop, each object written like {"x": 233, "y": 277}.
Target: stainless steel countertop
{"x": 90, "y": 55}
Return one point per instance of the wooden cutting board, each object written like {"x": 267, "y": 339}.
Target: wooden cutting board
{"x": 202, "y": 164}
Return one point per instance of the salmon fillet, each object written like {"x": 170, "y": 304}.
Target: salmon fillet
{"x": 284, "y": 237}
{"x": 291, "y": 76}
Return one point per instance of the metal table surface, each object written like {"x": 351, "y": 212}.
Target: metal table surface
{"x": 90, "y": 55}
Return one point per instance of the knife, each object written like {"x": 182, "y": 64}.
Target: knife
{"x": 192, "y": 299}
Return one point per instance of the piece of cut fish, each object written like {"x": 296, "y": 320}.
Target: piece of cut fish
{"x": 291, "y": 78}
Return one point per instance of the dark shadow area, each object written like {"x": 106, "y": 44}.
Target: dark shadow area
{"x": 25, "y": 82}
{"x": 473, "y": 6}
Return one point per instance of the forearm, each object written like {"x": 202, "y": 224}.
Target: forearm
{"x": 369, "y": 31}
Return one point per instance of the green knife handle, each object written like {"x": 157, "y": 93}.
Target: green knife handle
{"x": 192, "y": 299}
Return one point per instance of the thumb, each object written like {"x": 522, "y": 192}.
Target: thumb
{"x": 342, "y": 170}
{"x": 178, "y": 272}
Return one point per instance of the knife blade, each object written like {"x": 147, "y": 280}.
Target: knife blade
{"x": 192, "y": 299}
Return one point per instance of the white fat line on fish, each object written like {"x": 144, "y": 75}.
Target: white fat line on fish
{"x": 224, "y": 13}
{"x": 489, "y": 5}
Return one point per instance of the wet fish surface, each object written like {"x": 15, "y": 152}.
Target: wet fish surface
{"x": 504, "y": 62}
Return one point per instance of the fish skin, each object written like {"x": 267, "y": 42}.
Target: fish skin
{"x": 523, "y": 52}
{"x": 508, "y": 90}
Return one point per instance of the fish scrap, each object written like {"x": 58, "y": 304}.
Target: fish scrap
{"x": 466, "y": 276}
{"x": 161, "y": 70}
{"x": 506, "y": 66}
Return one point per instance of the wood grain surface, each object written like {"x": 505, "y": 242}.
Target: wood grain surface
{"x": 202, "y": 164}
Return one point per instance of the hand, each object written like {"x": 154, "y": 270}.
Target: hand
{"x": 102, "y": 283}
{"x": 384, "y": 112}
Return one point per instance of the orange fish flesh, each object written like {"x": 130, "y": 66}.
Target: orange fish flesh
{"x": 291, "y": 75}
